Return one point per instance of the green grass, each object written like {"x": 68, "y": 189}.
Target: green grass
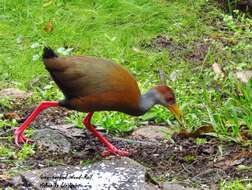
{"x": 116, "y": 30}
{"x": 236, "y": 185}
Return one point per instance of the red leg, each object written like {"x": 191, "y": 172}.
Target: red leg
{"x": 110, "y": 148}
{"x": 19, "y": 137}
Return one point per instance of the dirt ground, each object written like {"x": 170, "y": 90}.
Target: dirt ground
{"x": 183, "y": 160}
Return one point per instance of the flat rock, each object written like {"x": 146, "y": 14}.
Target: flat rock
{"x": 52, "y": 140}
{"x": 175, "y": 186}
{"x": 152, "y": 133}
{"x": 14, "y": 93}
{"x": 69, "y": 130}
{"x": 114, "y": 174}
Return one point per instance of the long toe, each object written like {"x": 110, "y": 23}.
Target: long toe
{"x": 25, "y": 140}
{"x": 20, "y": 139}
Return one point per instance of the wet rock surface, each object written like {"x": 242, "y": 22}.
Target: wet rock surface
{"x": 115, "y": 173}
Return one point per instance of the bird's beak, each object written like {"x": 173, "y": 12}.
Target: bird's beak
{"x": 176, "y": 112}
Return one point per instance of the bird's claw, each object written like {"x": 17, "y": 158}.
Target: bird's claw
{"x": 20, "y": 138}
{"x": 114, "y": 151}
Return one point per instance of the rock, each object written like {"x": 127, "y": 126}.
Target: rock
{"x": 244, "y": 76}
{"x": 69, "y": 130}
{"x": 52, "y": 140}
{"x": 175, "y": 186}
{"x": 152, "y": 133}
{"x": 115, "y": 174}
{"x": 14, "y": 93}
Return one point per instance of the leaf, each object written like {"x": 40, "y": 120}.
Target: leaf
{"x": 235, "y": 159}
{"x": 49, "y": 27}
{"x": 197, "y": 133}
{"x": 48, "y": 3}
{"x": 11, "y": 116}
{"x": 244, "y": 76}
{"x": 202, "y": 130}
{"x": 218, "y": 70}
{"x": 173, "y": 76}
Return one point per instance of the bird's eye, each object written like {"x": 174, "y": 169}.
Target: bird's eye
{"x": 170, "y": 100}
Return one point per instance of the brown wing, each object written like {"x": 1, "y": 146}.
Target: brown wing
{"x": 92, "y": 84}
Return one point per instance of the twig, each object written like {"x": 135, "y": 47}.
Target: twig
{"x": 3, "y": 138}
{"x": 162, "y": 77}
{"x": 130, "y": 141}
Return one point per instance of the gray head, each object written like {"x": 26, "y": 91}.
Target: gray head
{"x": 162, "y": 95}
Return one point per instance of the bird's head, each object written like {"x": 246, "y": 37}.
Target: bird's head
{"x": 165, "y": 96}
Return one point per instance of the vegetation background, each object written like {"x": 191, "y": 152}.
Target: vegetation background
{"x": 200, "y": 47}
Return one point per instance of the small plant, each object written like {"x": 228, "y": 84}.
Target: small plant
{"x": 200, "y": 141}
{"x": 48, "y": 92}
{"x": 235, "y": 185}
{"x": 26, "y": 151}
{"x": 76, "y": 119}
{"x": 6, "y": 152}
{"x": 114, "y": 122}
{"x": 86, "y": 162}
{"x": 5, "y": 103}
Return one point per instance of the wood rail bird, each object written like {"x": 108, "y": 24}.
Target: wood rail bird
{"x": 91, "y": 84}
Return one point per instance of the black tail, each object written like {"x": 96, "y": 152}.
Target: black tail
{"x": 48, "y": 53}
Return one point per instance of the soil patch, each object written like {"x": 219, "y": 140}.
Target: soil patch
{"x": 183, "y": 160}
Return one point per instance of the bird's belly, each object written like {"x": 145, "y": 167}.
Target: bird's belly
{"x": 108, "y": 101}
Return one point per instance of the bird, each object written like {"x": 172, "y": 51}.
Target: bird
{"x": 92, "y": 84}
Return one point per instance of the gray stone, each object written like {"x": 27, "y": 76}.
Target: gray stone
{"x": 69, "y": 130}
{"x": 152, "y": 133}
{"x": 114, "y": 174}
{"x": 14, "y": 93}
{"x": 175, "y": 186}
{"x": 52, "y": 140}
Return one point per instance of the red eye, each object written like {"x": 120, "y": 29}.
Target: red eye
{"x": 170, "y": 100}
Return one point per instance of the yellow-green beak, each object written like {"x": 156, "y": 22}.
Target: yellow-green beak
{"x": 176, "y": 112}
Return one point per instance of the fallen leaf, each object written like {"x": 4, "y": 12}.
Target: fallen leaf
{"x": 236, "y": 159}
{"x": 136, "y": 49}
{"x": 202, "y": 130}
{"x": 244, "y": 76}
{"x": 197, "y": 133}
{"x": 35, "y": 57}
{"x": 20, "y": 39}
{"x": 65, "y": 51}
{"x": 46, "y": 4}
{"x": 242, "y": 154}
{"x": 243, "y": 167}
{"x": 49, "y": 27}
{"x": 173, "y": 76}
{"x": 225, "y": 164}
{"x": 35, "y": 45}
{"x": 11, "y": 116}
{"x": 246, "y": 135}
{"x": 218, "y": 70}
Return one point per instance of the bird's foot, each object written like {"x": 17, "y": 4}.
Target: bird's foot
{"x": 114, "y": 151}
{"x": 20, "y": 138}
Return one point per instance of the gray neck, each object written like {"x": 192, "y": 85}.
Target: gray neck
{"x": 147, "y": 100}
